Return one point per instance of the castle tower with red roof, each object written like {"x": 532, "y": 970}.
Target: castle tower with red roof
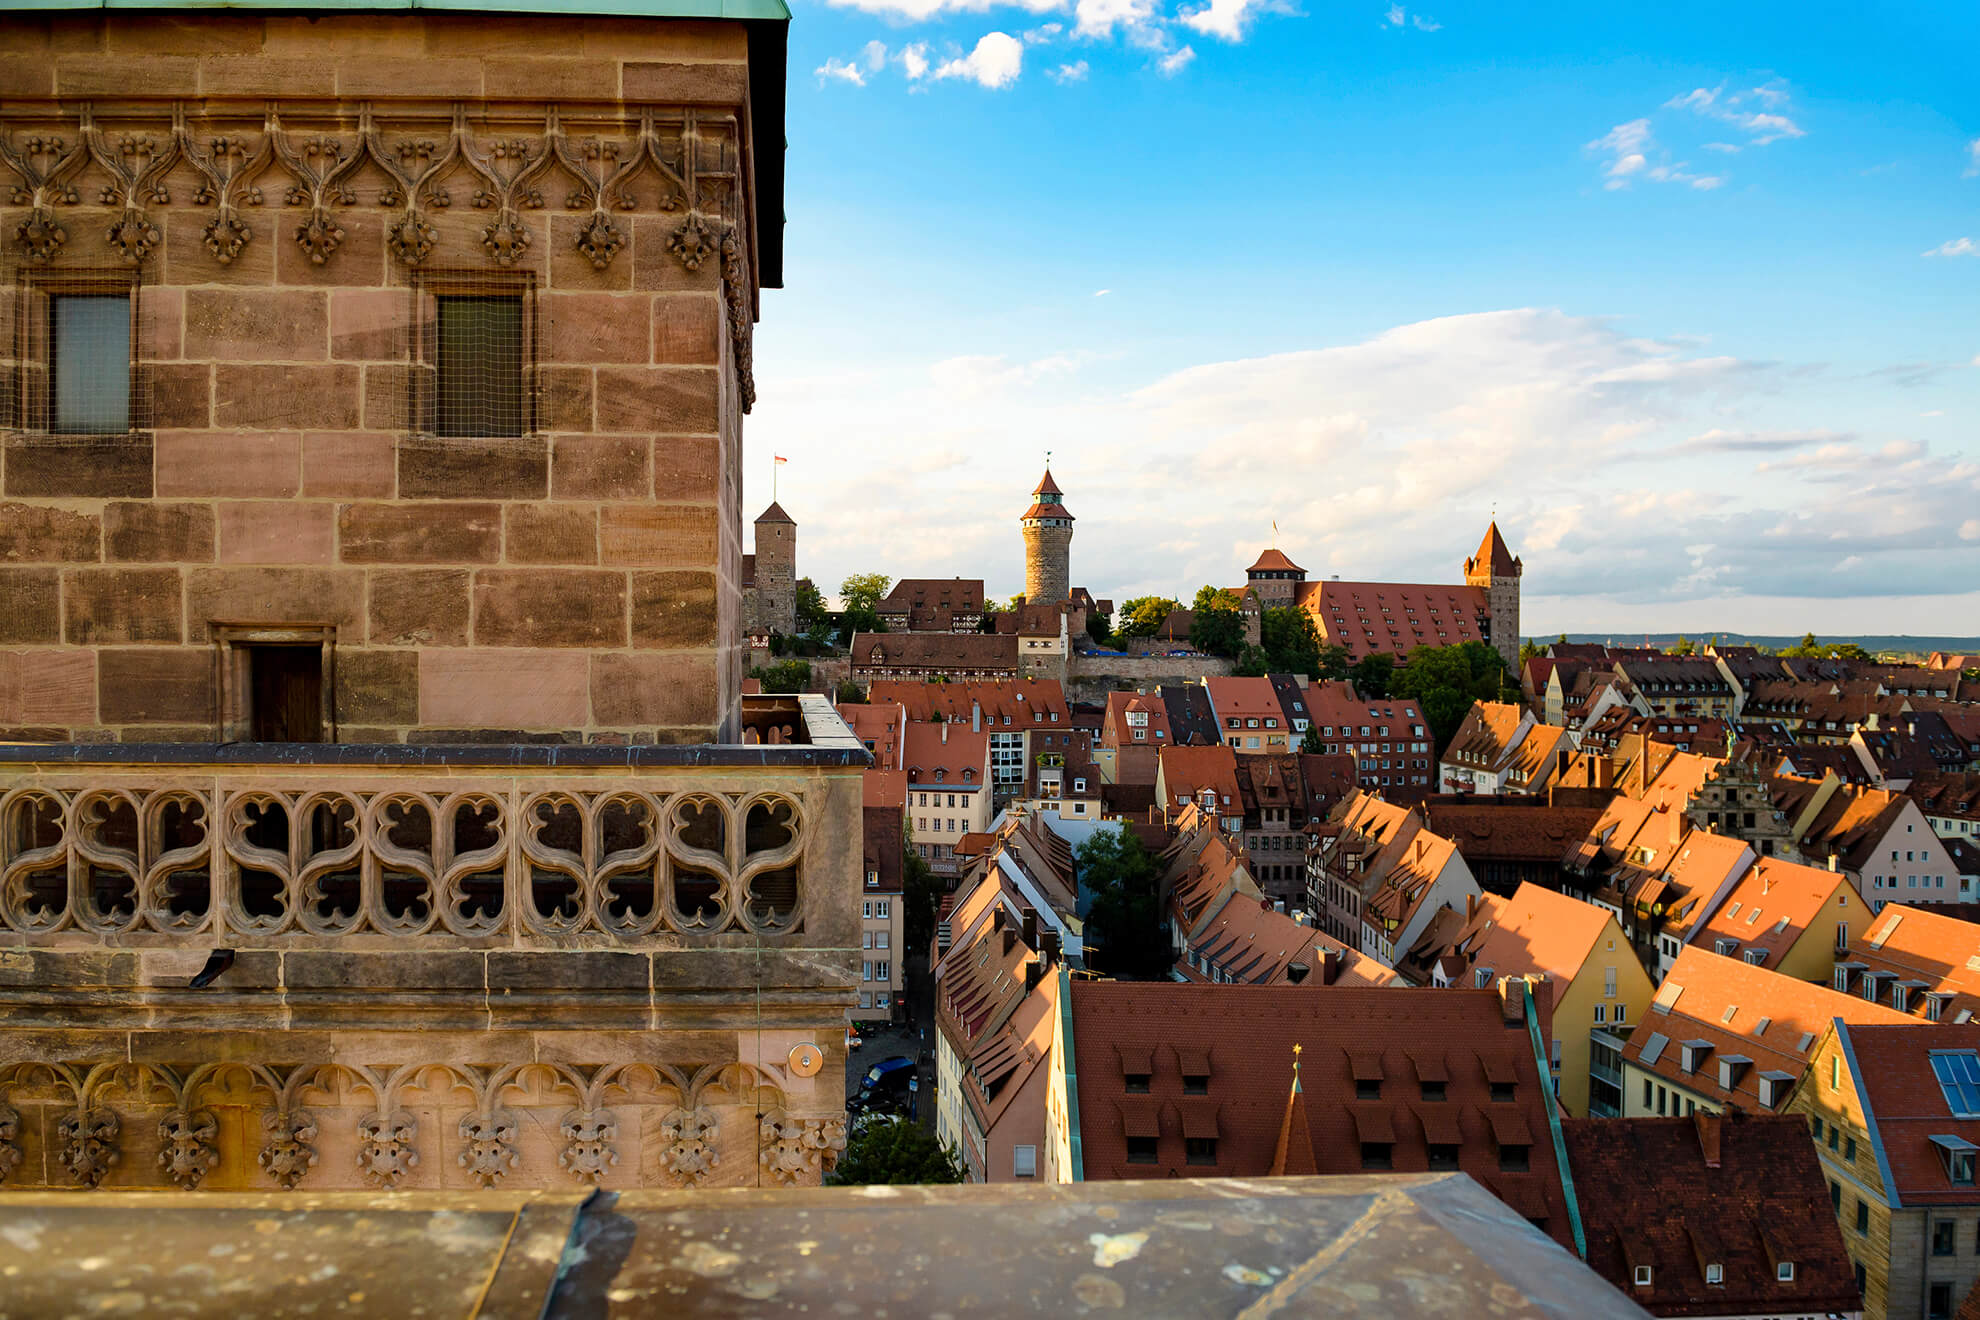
{"x": 1494, "y": 571}
{"x": 1048, "y": 531}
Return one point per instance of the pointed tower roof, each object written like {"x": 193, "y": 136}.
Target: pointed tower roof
{"x": 1294, "y": 1155}
{"x": 1493, "y": 555}
{"x": 1274, "y": 561}
{"x": 775, "y": 513}
{"x": 1048, "y": 501}
{"x": 1047, "y": 486}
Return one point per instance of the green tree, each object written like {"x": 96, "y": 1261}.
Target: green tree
{"x": 1124, "y": 919}
{"x": 1252, "y": 662}
{"x": 1445, "y": 680}
{"x": 1097, "y": 628}
{"x": 784, "y": 676}
{"x": 1310, "y": 744}
{"x": 1810, "y": 648}
{"x": 1372, "y": 674}
{"x": 1144, "y": 615}
{"x": 899, "y": 1152}
{"x": 812, "y": 616}
{"x": 858, "y": 621}
{"x": 1333, "y": 663}
{"x": 1682, "y": 646}
{"x": 849, "y": 693}
{"x": 1530, "y": 650}
{"x": 1218, "y": 626}
{"x": 1291, "y": 642}
{"x": 863, "y": 591}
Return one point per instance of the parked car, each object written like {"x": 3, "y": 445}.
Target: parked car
{"x": 885, "y": 1084}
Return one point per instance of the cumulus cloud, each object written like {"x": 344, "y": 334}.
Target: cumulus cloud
{"x": 1632, "y": 151}
{"x": 1954, "y": 247}
{"x": 994, "y": 63}
{"x": 1097, "y": 19}
{"x": 1175, "y": 61}
{"x": 1226, "y": 19}
{"x": 1069, "y": 73}
{"x": 843, "y": 70}
{"x": 914, "y": 61}
{"x": 1972, "y": 159}
{"x": 1624, "y": 146}
{"x": 920, "y": 11}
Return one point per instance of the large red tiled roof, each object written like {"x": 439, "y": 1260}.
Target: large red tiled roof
{"x": 1539, "y": 931}
{"x": 1772, "y": 905}
{"x": 1892, "y": 1069}
{"x": 1242, "y": 1038}
{"x": 938, "y": 652}
{"x": 1492, "y": 555}
{"x": 1743, "y": 1191}
{"x": 1352, "y": 614}
{"x": 1509, "y": 828}
{"x": 1925, "y": 953}
{"x": 1007, "y": 705}
{"x": 1274, "y": 560}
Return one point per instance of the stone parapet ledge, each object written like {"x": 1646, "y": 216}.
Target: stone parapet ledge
{"x": 1404, "y": 1244}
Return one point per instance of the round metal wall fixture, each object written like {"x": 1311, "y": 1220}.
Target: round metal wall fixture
{"x": 807, "y": 1059}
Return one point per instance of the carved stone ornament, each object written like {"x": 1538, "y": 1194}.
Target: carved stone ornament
{"x": 506, "y": 239}
{"x": 694, "y": 242}
{"x": 800, "y": 1150}
{"x": 319, "y": 236}
{"x": 411, "y": 238}
{"x": 134, "y": 237}
{"x": 588, "y": 1150}
{"x": 288, "y": 1154}
{"x": 600, "y": 240}
{"x": 226, "y": 234}
{"x": 10, "y": 1135}
{"x": 385, "y": 1147}
{"x": 89, "y": 1145}
{"x": 735, "y": 292}
{"x": 185, "y": 1149}
{"x": 41, "y": 235}
{"x": 491, "y": 1150}
{"x": 690, "y": 1153}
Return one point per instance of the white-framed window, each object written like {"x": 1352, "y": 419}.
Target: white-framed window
{"x": 866, "y": 910}
{"x": 1643, "y": 1276}
{"x": 879, "y": 939}
{"x": 883, "y": 908}
{"x": 1024, "y": 1161}
{"x": 866, "y": 939}
{"x": 866, "y": 971}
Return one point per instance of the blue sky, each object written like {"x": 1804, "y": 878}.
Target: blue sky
{"x": 1689, "y": 295}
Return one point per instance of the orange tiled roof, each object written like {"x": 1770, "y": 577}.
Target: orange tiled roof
{"x": 1770, "y": 906}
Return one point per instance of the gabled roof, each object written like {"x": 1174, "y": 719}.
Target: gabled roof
{"x": 1540, "y": 931}
{"x": 1772, "y": 905}
{"x": 1493, "y": 555}
{"x": 775, "y": 514}
{"x": 1653, "y": 1190}
{"x": 1919, "y": 944}
{"x": 1241, "y": 1037}
{"x": 1273, "y": 560}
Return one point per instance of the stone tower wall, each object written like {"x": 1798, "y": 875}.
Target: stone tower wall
{"x": 776, "y": 577}
{"x": 1502, "y": 599}
{"x": 579, "y": 580}
{"x": 1047, "y": 555}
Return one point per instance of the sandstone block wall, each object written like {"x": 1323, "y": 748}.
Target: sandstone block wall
{"x": 577, "y": 581}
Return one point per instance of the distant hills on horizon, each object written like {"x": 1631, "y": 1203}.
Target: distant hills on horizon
{"x": 1872, "y": 642}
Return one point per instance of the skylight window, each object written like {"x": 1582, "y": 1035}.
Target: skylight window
{"x": 1958, "y": 1072}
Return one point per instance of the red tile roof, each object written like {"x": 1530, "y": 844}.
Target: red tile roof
{"x": 1772, "y": 905}
{"x": 1925, "y": 953}
{"x": 1047, "y": 486}
{"x": 1242, "y": 1037}
{"x": 1538, "y": 932}
{"x": 1493, "y": 556}
{"x": 1353, "y": 615}
{"x": 960, "y": 655}
{"x": 1743, "y": 1191}
{"x": 1009, "y": 704}
{"x": 1891, "y": 1067}
{"x": 1274, "y": 560}
{"x": 775, "y": 514}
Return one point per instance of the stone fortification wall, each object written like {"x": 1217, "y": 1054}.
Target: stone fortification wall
{"x": 1091, "y": 678}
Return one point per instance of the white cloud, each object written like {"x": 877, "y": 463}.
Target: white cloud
{"x": 1069, "y": 73}
{"x": 994, "y": 63}
{"x": 843, "y": 70}
{"x": 1727, "y": 147}
{"x": 1972, "y": 159}
{"x": 875, "y": 55}
{"x": 1101, "y": 293}
{"x": 920, "y": 11}
{"x": 1175, "y": 62}
{"x": 1379, "y": 458}
{"x": 1396, "y": 15}
{"x": 1624, "y": 145}
{"x": 1098, "y": 18}
{"x": 914, "y": 61}
{"x": 1044, "y": 34}
{"x": 1956, "y": 247}
{"x": 1423, "y": 24}
{"x": 1223, "y": 18}
{"x": 1764, "y": 125}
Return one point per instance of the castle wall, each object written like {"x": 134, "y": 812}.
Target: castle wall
{"x": 1091, "y": 678}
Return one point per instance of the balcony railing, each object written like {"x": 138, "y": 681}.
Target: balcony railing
{"x": 293, "y": 844}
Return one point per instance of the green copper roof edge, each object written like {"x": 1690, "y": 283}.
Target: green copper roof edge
{"x": 1554, "y": 1119}
{"x": 774, "y": 11}
{"x": 1066, "y": 1065}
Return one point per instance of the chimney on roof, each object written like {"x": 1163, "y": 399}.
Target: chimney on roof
{"x": 1832, "y": 860}
{"x": 975, "y": 715}
{"x": 1034, "y": 972}
{"x": 1296, "y": 972}
{"x": 1031, "y": 928}
{"x": 945, "y": 733}
{"x": 1330, "y": 966}
{"x": 1710, "y": 1128}
{"x": 1010, "y": 941}
{"x": 1512, "y": 1000}
{"x": 1049, "y": 947}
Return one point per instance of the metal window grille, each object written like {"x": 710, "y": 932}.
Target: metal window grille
{"x": 475, "y": 372}
{"x": 74, "y": 365}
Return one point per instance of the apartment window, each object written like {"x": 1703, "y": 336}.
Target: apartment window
{"x": 1862, "y": 1216}
{"x": 1515, "y": 1159}
{"x": 1835, "y": 1196}
{"x": 1642, "y": 1276}
{"x": 1024, "y": 1161}
{"x": 883, "y": 908}
{"x": 1137, "y": 1083}
{"x": 866, "y": 939}
{"x": 1942, "y": 1238}
{"x": 89, "y": 361}
{"x": 866, "y": 910}
{"x": 1849, "y": 1149}
{"x": 1141, "y": 1150}
{"x": 1367, "y": 1089}
{"x": 1715, "y": 1274}
{"x": 883, "y": 971}
{"x": 1433, "y": 1091}
{"x": 1443, "y": 1158}
{"x": 1200, "y": 1150}
{"x": 1646, "y": 1093}
{"x": 1939, "y": 1304}
{"x": 1503, "y": 1092}
{"x": 1196, "y": 1084}
{"x": 1609, "y": 982}
{"x": 1377, "y": 1155}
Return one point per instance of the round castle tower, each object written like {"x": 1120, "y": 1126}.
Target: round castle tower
{"x": 1048, "y": 530}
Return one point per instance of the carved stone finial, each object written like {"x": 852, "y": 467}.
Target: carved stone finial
{"x": 288, "y": 1154}
{"x": 89, "y": 1144}
{"x": 133, "y": 236}
{"x": 411, "y": 238}
{"x": 41, "y": 235}
{"x": 185, "y": 1148}
{"x": 319, "y": 236}
{"x": 694, "y": 242}
{"x": 600, "y": 240}
{"x": 226, "y": 234}
{"x": 690, "y": 1153}
{"x": 588, "y": 1150}
{"x": 491, "y": 1145}
{"x": 385, "y": 1147}
{"x": 796, "y": 1150}
{"x": 506, "y": 239}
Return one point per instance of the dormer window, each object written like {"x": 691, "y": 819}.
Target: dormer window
{"x": 1784, "y": 1272}
{"x": 1137, "y": 1083}
{"x": 1643, "y": 1276}
{"x": 1715, "y": 1274}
